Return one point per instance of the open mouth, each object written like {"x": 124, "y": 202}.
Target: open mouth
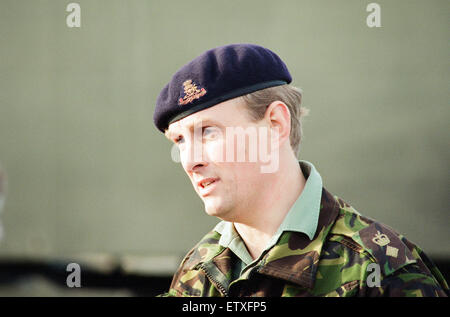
{"x": 206, "y": 186}
{"x": 206, "y": 183}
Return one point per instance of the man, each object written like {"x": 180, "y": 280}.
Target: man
{"x": 237, "y": 124}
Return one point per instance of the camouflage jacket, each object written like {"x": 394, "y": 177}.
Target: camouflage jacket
{"x": 350, "y": 255}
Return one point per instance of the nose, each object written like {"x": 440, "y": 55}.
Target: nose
{"x": 192, "y": 156}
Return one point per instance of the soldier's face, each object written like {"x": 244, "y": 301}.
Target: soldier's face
{"x": 223, "y": 169}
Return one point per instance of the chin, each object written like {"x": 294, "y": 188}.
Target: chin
{"x": 214, "y": 208}
{"x": 211, "y": 211}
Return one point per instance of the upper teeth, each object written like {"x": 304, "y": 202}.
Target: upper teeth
{"x": 204, "y": 184}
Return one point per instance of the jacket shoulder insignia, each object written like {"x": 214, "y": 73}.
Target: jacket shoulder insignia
{"x": 385, "y": 246}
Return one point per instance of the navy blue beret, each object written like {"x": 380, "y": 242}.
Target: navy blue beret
{"x": 218, "y": 75}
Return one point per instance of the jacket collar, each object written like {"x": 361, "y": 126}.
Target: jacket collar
{"x": 295, "y": 258}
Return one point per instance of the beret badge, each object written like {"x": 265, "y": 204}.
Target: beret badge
{"x": 191, "y": 92}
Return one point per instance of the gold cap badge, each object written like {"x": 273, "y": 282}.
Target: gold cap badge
{"x": 191, "y": 92}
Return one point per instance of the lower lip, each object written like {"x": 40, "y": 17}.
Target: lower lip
{"x": 208, "y": 189}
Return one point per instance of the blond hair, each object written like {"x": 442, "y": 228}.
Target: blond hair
{"x": 258, "y": 101}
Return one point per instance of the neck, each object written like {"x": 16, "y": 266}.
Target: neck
{"x": 275, "y": 200}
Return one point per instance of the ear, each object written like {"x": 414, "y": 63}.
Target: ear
{"x": 278, "y": 117}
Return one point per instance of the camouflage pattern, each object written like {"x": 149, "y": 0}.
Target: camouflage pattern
{"x": 334, "y": 263}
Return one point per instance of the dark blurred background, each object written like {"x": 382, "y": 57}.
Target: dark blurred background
{"x": 90, "y": 180}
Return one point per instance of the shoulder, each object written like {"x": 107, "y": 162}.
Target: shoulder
{"x": 188, "y": 278}
{"x": 378, "y": 242}
{"x": 207, "y": 248}
{"x": 406, "y": 270}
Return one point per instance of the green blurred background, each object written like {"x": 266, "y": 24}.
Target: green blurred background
{"x": 90, "y": 177}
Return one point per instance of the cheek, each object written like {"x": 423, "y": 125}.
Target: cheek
{"x": 227, "y": 151}
{"x": 184, "y": 158}
{"x": 215, "y": 151}
{"x": 244, "y": 176}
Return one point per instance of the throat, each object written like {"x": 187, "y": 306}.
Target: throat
{"x": 254, "y": 240}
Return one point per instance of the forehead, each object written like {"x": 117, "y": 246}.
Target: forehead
{"x": 227, "y": 113}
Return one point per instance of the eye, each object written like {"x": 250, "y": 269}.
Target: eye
{"x": 178, "y": 140}
{"x": 209, "y": 132}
